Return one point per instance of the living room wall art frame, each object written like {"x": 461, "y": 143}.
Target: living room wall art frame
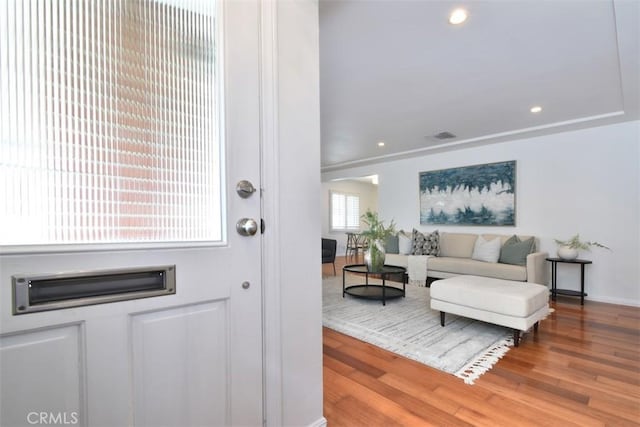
{"x": 470, "y": 195}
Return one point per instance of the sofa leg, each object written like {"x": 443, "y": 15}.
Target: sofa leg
{"x": 442, "y": 318}
{"x": 535, "y": 327}
{"x": 516, "y": 338}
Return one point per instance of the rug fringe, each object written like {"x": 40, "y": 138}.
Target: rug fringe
{"x": 473, "y": 370}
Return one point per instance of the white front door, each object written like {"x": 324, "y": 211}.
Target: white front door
{"x": 189, "y": 359}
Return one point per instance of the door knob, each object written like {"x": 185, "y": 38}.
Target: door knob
{"x": 247, "y": 227}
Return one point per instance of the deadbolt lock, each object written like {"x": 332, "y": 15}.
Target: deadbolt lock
{"x": 245, "y": 189}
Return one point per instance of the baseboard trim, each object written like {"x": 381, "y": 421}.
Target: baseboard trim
{"x": 616, "y": 301}
{"x": 322, "y": 422}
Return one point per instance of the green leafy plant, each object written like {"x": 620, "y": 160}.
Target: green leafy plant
{"x": 377, "y": 230}
{"x": 575, "y": 243}
{"x": 376, "y": 235}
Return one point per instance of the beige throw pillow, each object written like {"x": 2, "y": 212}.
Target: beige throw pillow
{"x": 486, "y": 250}
{"x": 405, "y": 243}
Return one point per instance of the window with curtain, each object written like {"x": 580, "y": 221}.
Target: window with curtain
{"x": 345, "y": 211}
{"x": 109, "y": 122}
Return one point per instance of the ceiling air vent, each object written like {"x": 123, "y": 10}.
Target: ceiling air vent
{"x": 444, "y": 135}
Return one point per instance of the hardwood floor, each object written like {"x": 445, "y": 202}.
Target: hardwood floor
{"x": 581, "y": 369}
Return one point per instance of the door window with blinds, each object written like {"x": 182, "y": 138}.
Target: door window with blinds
{"x": 345, "y": 211}
{"x": 109, "y": 122}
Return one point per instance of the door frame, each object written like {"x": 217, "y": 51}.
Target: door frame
{"x": 290, "y": 120}
{"x": 269, "y": 159}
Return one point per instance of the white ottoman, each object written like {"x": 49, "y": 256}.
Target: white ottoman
{"x": 516, "y": 305}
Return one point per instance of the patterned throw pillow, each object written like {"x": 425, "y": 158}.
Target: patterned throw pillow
{"x": 426, "y": 243}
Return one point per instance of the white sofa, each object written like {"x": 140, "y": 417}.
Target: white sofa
{"x": 455, "y": 254}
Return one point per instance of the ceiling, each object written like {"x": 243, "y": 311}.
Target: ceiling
{"x": 397, "y": 71}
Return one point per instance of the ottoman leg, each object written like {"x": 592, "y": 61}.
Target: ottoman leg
{"x": 442, "y": 318}
{"x": 516, "y": 338}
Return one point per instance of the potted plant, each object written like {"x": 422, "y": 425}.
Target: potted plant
{"x": 376, "y": 236}
{"x": 568, "y": 249}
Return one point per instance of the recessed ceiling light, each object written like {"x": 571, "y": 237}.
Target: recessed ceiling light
{"x": 536, "y": 109}
{"x": 381, "y": 144}
{"x": 458, "y": 16}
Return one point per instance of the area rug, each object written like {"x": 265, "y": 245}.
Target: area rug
{"x": 407, "y": 326}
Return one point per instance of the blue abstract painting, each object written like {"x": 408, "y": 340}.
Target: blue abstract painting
{"x": 470, "y": 195}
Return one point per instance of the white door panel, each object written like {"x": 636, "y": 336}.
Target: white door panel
{"x": 189, "y": 359}
{"x": 44, "y": 372}
{"x": 181, "y": 349}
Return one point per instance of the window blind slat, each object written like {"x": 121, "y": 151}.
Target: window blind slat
{"x": 345, "y": 211}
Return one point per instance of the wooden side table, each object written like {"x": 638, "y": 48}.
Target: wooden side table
{"x": 554, "y": 270}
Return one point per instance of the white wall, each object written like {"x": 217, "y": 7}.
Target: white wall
{"x": 368, "y": 200}
{"x": 298, "y": 216}
{"x": 585, "y": 181}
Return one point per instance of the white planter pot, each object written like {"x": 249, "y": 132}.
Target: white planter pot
{"x": 567, "y": 253}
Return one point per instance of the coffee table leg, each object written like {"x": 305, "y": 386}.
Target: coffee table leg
{"x": 343, "y": 274}
{"x": 383, "y": 290}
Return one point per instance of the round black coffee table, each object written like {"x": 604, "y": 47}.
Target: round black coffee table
{"x": 373, "y": 291}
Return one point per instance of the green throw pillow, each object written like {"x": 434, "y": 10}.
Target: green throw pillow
{"x": 391, "y": 245}
{"x": 514, "y": 251}
{"x": 512, "y": 239}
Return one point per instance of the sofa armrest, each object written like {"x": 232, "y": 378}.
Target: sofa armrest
{"x": 537, "y": 269}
